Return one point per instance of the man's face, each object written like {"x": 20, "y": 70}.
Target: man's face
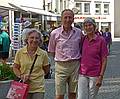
{"x": 67, "y": 19}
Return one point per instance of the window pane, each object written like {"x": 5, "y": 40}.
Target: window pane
{"x": 77, "y": 4}
{"x": 106, "y": 8}
{"x": 97, "y": 5}
{"x": 87, "y": 7}
{"x": 79, "y": 7}
{"x": 98, "y": 9}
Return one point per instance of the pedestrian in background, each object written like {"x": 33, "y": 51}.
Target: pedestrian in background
{"x": 4, "y": 45}
{"x": 98, "y": 32}
{"x": 27, "y": 26}
{"x": 101, "y": 32}
{"x": 77, "y": 25}
{"x": 64, "y": 44}
{"x": 108, "y": 38}
{"x": 23, "y": 62}
{"x": 93, "y": 62}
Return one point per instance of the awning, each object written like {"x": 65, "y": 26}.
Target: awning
{"x": 38, "y": 11}
{"x": 3, "y": 12}
{"x": 4, "y": 3}
{"x": 4, "y": 8}
{"x": 34, "y": 10}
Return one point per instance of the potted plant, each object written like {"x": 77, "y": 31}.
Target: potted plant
{"x": 6, "y": 72}
{"x": 6, "y": 76}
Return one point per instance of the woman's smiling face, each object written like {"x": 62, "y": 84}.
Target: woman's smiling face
{"x": 89, "y": 27}
{"x": 33, "y": 39}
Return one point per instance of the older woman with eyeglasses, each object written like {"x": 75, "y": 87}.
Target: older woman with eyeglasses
{"x": 24, "y": 59}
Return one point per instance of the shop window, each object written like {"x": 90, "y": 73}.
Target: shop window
{"x": 97, "y": 9}
{"x": 106, "y": 9}
{"x": 106, "y": 25}
{"x": 26, "y": 15}
{"x": 35, "y": 15}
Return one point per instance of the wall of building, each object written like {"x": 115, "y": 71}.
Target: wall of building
{"x": 117, "y": 18}
{"x": 103, "y": 20}
{"x": 111, "y": 20}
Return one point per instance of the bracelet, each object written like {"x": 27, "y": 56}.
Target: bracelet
{"x": 20, "y": 75}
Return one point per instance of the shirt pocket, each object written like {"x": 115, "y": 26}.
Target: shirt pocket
{"x": 94, "y": 49}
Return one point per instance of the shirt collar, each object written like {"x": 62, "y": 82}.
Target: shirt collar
{"x": 38, "y": 52}
{"x": 62, "y": 29}
{"x": 94, "y": 38}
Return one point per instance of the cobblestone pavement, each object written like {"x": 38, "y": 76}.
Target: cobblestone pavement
{"x": 111, "y": 84}
{"x": 109, "y": 90}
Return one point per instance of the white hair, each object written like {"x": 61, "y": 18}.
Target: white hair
{"x": 31, "y": 31}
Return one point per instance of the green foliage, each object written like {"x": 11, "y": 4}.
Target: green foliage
{"x": 6, "y": 72}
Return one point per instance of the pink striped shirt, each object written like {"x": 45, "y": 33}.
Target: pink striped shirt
{"x": 65, "y": 45}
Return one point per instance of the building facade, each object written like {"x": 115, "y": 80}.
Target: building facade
{"x": 101, "y": 10}
{"x": 117, "y": 18}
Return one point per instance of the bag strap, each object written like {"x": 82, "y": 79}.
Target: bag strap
{"x": 82, "y": 41}
{"x": 33, "y": 64}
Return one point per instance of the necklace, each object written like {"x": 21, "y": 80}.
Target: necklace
{"x": 31, "y": 53}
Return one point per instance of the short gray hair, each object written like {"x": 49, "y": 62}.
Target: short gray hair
{"x": 67, "y": 10}
{"x": 89, "y": 20}
{"x": 30, "y": 32}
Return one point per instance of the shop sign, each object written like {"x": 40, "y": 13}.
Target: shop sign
{"x": 78, "y": 17}
{"x": 104, "y": 24}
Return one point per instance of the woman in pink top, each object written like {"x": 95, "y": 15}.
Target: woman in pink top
{"x": 93, "y": 62}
